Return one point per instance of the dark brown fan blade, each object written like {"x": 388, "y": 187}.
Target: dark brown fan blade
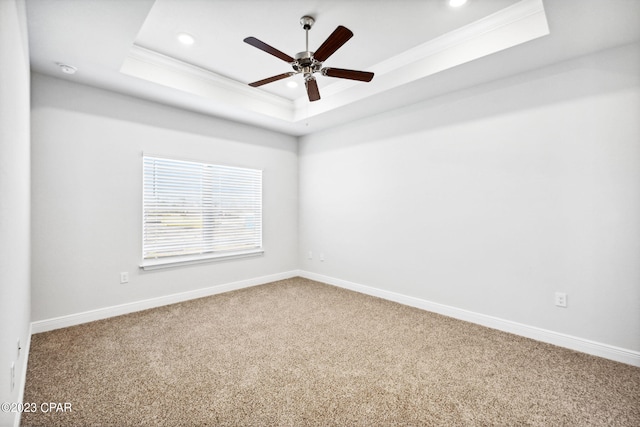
{"x": 363, "y": 76}
{"x": 333, "y": 43}
{"x": 312, "y": 89}
{"x": 269, "y": 49}
{"x": 271, "y": 79}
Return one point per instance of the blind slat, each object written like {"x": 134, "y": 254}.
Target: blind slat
{"x": 197, "y": 208}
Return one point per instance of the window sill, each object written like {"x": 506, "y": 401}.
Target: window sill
{"x": 155, "y": 264}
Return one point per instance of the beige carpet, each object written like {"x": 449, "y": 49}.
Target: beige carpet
{"x": 298, "y": 352}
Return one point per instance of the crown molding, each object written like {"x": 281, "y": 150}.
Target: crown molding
{"x": 514, "y": 25}
{"x": 509, "y": 27}
{"x": 505, "y": 19}
{"x": 161, "y": 69}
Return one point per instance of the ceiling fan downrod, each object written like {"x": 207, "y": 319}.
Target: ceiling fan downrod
{"x": 307, "y": 22}
{"x": 305, "y": 63}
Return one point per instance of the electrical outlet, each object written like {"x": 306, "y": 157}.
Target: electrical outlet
{"x": 19, "y": 348}
{"x": 124, "y": 277}
{"x": 310, "y": 255}
{"x": 321, "y": 257}
{"x": 561, "y": 299}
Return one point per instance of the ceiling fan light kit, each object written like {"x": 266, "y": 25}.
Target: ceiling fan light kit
{"x": 308, "y": 63}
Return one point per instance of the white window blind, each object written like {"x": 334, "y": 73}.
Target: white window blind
{"x": 198, "y": 210}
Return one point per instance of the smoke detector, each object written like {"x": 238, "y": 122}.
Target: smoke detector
{"x": 67, "y": 69}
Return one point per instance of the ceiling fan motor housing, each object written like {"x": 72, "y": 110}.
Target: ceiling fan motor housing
{"x": 306, "y": 63}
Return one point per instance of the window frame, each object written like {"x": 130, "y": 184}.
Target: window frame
{"x": 165, "y": 261}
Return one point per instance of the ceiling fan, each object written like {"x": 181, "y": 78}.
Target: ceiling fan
{"x": 308, "y": 63}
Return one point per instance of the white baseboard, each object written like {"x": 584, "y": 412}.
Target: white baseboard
{"x": 556, "y": 338}
{"x": 606, "y": 351}
{"x": 24, "y": 353}
{"x": 106, "y": 312}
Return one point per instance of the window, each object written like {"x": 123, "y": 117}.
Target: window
{"x": 195, "y": 211}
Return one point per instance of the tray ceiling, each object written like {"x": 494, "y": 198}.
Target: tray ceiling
{"x": 132, "y": 47}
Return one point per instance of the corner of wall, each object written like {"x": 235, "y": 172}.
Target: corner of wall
{"x": 15, "y": 206}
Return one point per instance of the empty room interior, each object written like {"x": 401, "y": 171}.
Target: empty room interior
{"x": 413, "y": 212}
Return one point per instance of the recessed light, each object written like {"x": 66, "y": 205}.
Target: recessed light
{"x": 457, "y": 3}
{"x": 186, "y": 39}
{"x": 292, "y": 84}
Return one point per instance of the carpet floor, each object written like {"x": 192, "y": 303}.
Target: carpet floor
{"x": 298, "y": 352}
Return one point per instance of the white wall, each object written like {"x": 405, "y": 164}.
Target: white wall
{"x": 488, "y": 200}
{"x": 14, "y": 200}
{"x": 491, "y": 199}
{"x": 87, "y": 148}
